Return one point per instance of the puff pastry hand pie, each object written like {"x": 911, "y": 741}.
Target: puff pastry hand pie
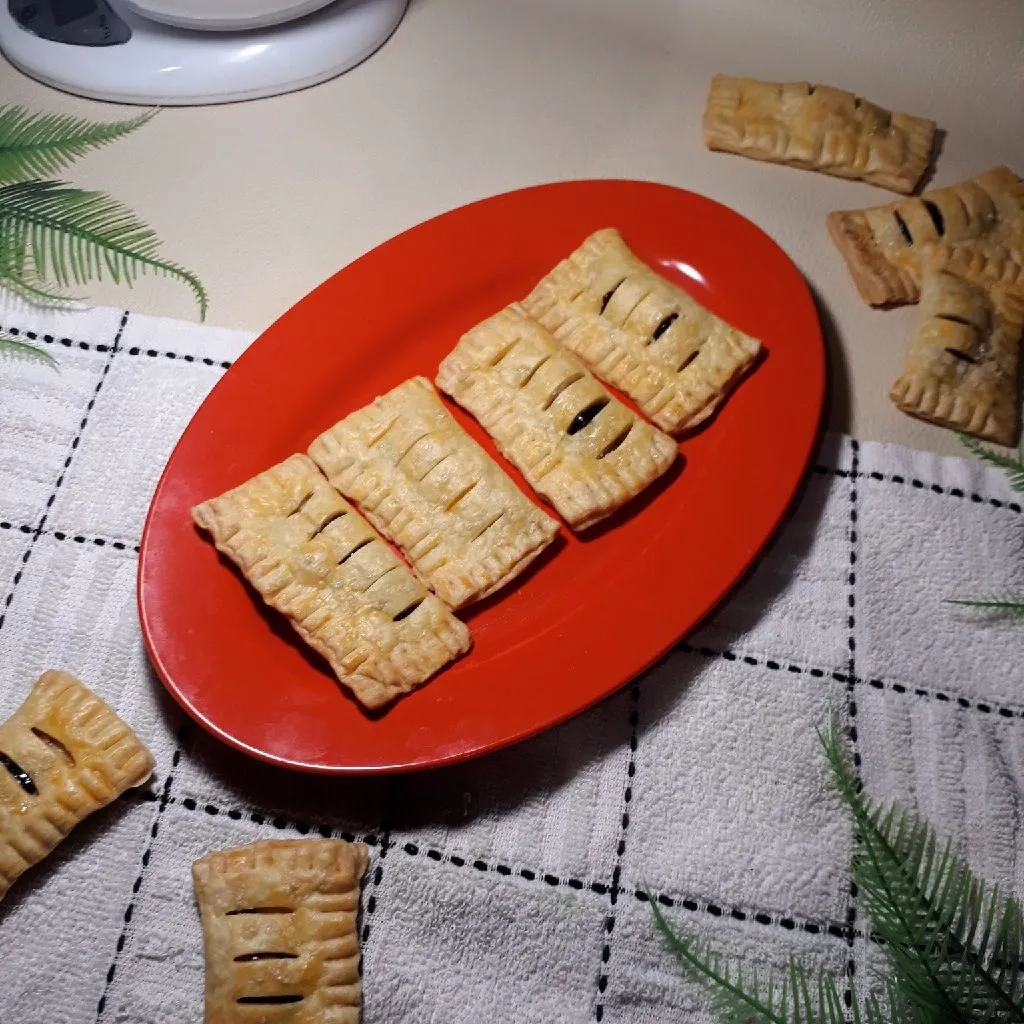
{"x": 636, "y": 331}
{"x": 429, "y": 487}
{"x": 975, "y": 229}
{"x": 817, "y": 128}
{"x": 63, "y": 754}
{"x": 279, "y": 932}
{"x": 962, "y": 361}
{"x": 579, "y": 448}
{"x": 312, "y": 557}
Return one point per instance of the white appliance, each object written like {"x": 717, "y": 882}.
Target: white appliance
{"x": 190, "y": 52}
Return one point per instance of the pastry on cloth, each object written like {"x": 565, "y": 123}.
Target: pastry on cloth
{"x": 279, "y": 932}
{"x": 63, "y": 754}
{"x": 962, "y": 361}
{"x": 315, "y": 559}
{"x": 578, "y": 447}
{"x": 466, "y": 529}
{"x": 641, "y": 334}
{"x": 817, "y": 128}
{"x": 974, "y": 229}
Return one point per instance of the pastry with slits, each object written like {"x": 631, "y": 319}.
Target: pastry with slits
{"x": 428, "y": 486}
{"x": 581, "y": 450}
{"x": 961, "y": 369}
{"x": 636, "y": 331}
{"x": 63, "y": 755}
{"x": 313, "y": 557}
{"x": 974, "y": 229}
{"x": 279, "y": 931}
{"x": 817, "y": 128}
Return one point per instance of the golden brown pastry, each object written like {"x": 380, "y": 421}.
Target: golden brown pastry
{"x": 316, "y": 560}
{"x": 817, "y": 128}
{"x": 579, "y": 448}
{"x": 279, "y": 932}
{"x": 974, "y": 229}
{"x": 641, "y": 334}
{"x": 962, "y": 362}
{"x": 430, "y": 488}
{"x": 63, "y": 754}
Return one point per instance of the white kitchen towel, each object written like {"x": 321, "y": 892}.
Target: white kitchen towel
{"x": 512, "y": 888}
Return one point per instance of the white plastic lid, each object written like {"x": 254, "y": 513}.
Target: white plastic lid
{"x": 223, "y": 15}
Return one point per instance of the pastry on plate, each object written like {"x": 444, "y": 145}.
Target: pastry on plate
{"x": 428, "y": 486}
{"x": 578, "y": 447}
{"x": 279, "y": 931}
{"x": 63, "y": 754}
{"x": 315, "y": 559}
{"x": 817, "y": 128}
{"x": 962, "y": 362}
{"x": 975, "y": 229}
{"x": 640, "y": 333}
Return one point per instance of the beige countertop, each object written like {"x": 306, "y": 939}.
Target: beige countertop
{"x": 265, "y": 199}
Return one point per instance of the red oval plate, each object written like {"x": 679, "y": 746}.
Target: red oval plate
{"x": 586, "y": 619}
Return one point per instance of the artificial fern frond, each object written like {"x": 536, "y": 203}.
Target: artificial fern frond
{"x": 1008, "y": 606}
{"x": 15, "y": 348}
{"x": 72, "y": 235}
{"x": 740, "y": 998}
{"x": 1014, "y": 468}
{"x": 38, "y": 145}
{"x": 29, "y": 287}
{"x": 954, "y": 942}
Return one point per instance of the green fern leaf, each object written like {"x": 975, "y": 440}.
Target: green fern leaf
{"x": 732, "y": 999}
{"x": 954, "y": 943}
{"x": 15, "y": 348}
{"x": 29, "y": 287}
{"x": 39, "y": 145}
{"x": 72, "y": 235}
{"x": 741, "y": 999}
{"x": 1007, "y": 606}
{"x": 1014, "y": 468}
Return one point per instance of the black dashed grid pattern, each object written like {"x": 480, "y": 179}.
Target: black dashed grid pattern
{"x": 37, "y": 531}
{"x": 614, "y": 889}
{"x": 609, "y": 890}
{"x": 851, "y": 705}
{"x": 372, "y": 891}
{"x": 154, "y": 831}
{"x": 89, "y": 346}
{"x": 854, "y": 474}
{"x": 386, "y": 839}
{"x": 77, "y": 538}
